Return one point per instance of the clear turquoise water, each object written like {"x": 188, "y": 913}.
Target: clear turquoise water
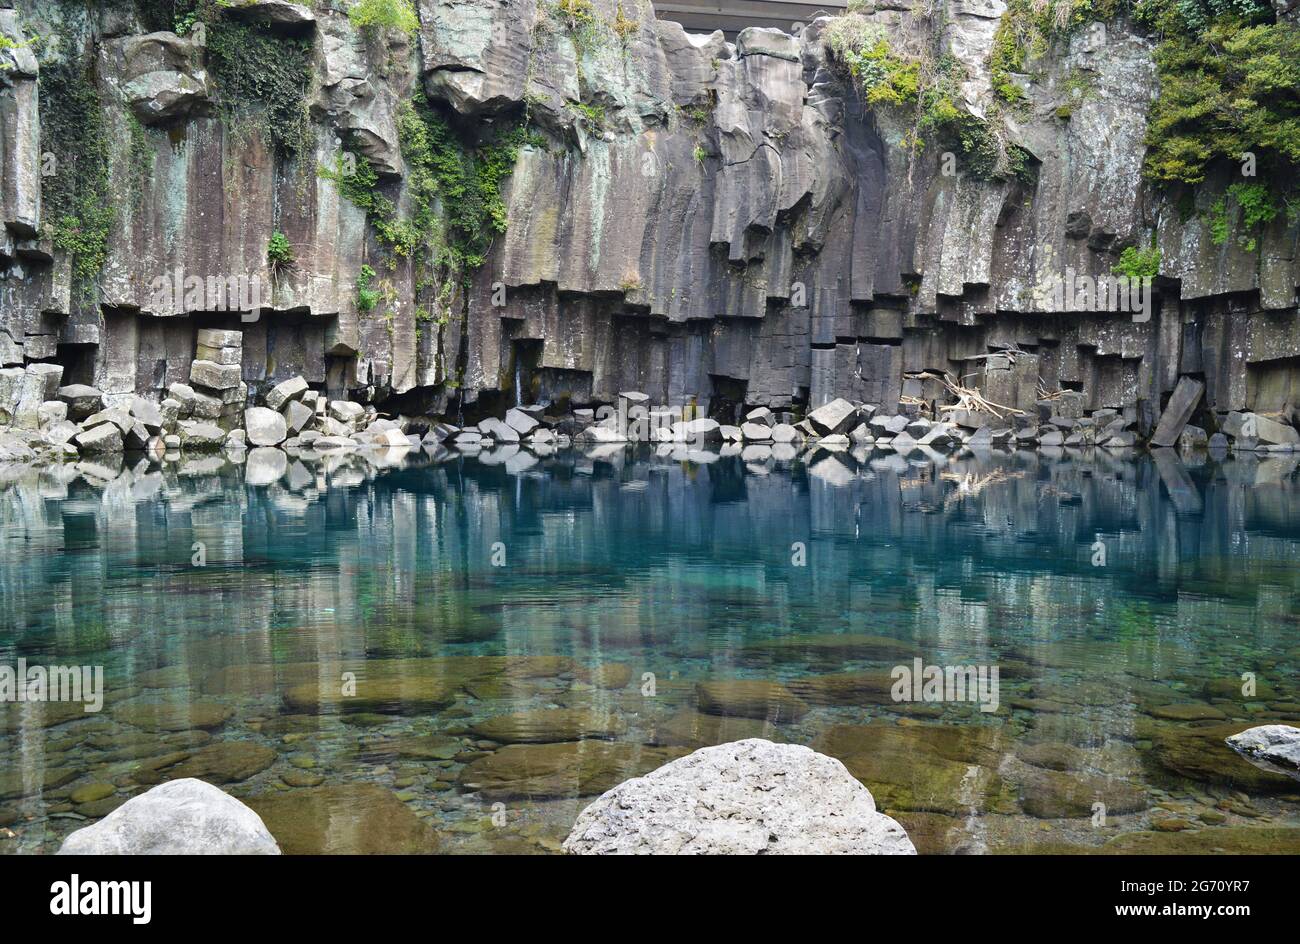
{"x": 632, "y": 567}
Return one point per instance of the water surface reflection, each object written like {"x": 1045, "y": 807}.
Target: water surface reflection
{"x": 529, "y": 630}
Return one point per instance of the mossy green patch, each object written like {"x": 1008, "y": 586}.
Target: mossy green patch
{"x": 77, "y": 197}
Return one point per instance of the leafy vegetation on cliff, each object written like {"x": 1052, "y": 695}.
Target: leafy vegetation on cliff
{"x": 1139, "y": 263}
{"x": 396, "y": 15}
{"x": 1029, "y": 29}
{"x": 929, "y": 87}
{"x": 262, "y": 77}
{"x": 252, "y": 65}
{"x": 77, "y": 198}
{"x": 454, "y": 208}
{"x": 1229, "y": 88}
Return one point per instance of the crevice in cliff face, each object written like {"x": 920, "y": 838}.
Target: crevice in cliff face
{"x": 761, "y": 147}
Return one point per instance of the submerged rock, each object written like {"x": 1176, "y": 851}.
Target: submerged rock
{"x": 183, "y": 817}
{"x": 750, "y": 698}
{"x": 744, "y": 798}
{"x": 1271, "y": 747}
{"x": 573, "y": 768}
{"x": 344, "y": 819}
{"x": 930, "y": 768}
{"x": 1202, "y": 753}
{"x": 559, "y": 724}
{"x": 690, "y": 728}
{"x": 220, "y": 762}
{"x": 1051, "y": 794}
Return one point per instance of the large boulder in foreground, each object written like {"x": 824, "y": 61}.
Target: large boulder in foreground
{"x": 1274, "y": 747}
{"x": 182, "y": 817}
{"x": 743, "y": 798}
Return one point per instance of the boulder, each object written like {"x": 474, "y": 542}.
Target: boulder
{"x": 182, "y": 817}
{"x": 1272, "y": 747}
{"x": 1182, "y": 403}
{"x": 51, "y": 412}
{"x": 838, "y": 416}
{"x": 105, "y": 437}
{"x": 286, "y": 392}
{"x": 201, "y": 435}
{"x": 148, "y": 413}
{"x": 520, "y": 422}
{"x": 756, "y": 432}
{"x": 82, "y": 401}
{"x": 213, "y": 375}
{"x": 296, "y": 416}
{"x": 345, "y": 411}
{"x": 749, "y": 797}
{"x": 265, "y": 426}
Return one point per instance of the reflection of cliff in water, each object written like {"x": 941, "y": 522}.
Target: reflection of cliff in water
{"x": 346, "y": 538}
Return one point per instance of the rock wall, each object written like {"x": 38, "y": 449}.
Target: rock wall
{"x": 707, "y": 222}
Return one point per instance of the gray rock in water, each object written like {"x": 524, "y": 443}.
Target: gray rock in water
{"x": 745, "y": 797}
{"x": 105, "y": 437}
{"x": 265, "y": 426}
{"x": 838, "y": 416}
{"x": 1274, "y": 747}
{"x": 82, "y": 400}
{"x": 286, "y": 392}
{"x": 181, "y": 817}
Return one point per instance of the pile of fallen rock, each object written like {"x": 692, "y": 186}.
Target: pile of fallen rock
{"x": 212, "y": 411}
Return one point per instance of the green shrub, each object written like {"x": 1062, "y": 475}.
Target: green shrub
{"x": 1231, "y": 89}
{"x": 367, "y": 297}
{"x": 1257, "y": 208}
{"x": 886, "y": 77}
{"x": 279, "y": 253}
{"x": 1139, "y": 263}
{"x": 396, "y": 15}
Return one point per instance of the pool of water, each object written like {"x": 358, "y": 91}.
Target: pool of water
{"x": 456, "y": 652}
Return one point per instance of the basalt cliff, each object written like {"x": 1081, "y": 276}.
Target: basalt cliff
{"x": 520, "y": 202}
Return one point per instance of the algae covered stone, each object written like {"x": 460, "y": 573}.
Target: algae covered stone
{"x": 750, "y": 698}
{"x": 344, "y": 819}
{"x": 925, "y": 768}
{"x": 1203, "y": 753}
{"x": 566, "y": 769}
{"x": 558, "y": 724}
